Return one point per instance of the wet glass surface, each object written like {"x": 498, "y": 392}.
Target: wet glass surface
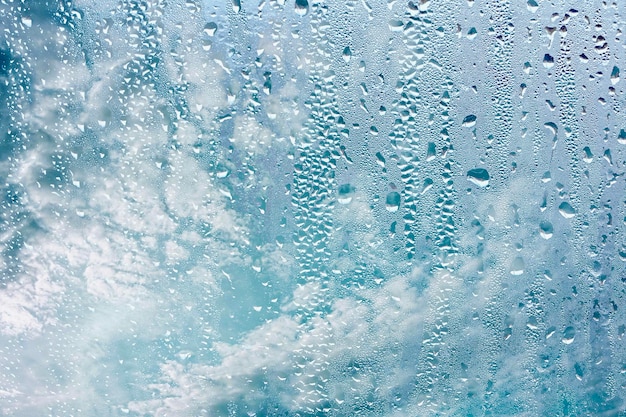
{"x": 312, "y": 208}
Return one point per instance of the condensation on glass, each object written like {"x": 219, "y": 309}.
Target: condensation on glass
{"x": 312, "y": 208}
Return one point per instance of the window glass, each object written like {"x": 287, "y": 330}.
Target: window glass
{"x": 312, "y": 208}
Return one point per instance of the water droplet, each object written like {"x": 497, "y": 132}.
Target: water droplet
{"x": 579, "y": 371}
{"x": 392, "y": 202}
{"x": 621, "y": 138}
{"x": 568, "y": 335}
{"x": 532, "y": 6}
{"x": 210, "y": 28}
{"x": 345, "y": 194}
{"x": 380, "y": 159}
{"x": 423, "y": 5}
{"x": 615, "y": 76}
{"x": 27, "y": 21}
{"x": 431, "y": 152}
{"x": 566, "y": 210}
{"x": 552, "y": 127}
{"x": 469, "y": 120}
{"x": 548, "y": 61}
{"x": 396, "y": 25}
{"x": 302, "y": 7}
{"x": 347, "y": 54}
{"x": 427, "y": 185}
{"x": 478, "y": 176}
{"x": 517, "y": 266}
{"x": 546, "y": 230}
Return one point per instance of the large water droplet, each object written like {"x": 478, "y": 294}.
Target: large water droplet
{"x": 478, "y": 176}
{"x": 566, "y": 210}
{"x": 517, "y": 266}
{"x": 615, "y": 76}
{"x": 548, "y": 61}
{"x": 347, "y": 54}
{"x": 532, "y": 6}
{"x": 345, "y": 194}
{"x": 621, "y": 137}
{"x": 469, "y": 120}
{"x": 302, "y": 7}
{"x": 568, "y": 335}
{"x": 392, "y": 203}
{"x": 546, "y": 230}
{"x": 210, "y": 28}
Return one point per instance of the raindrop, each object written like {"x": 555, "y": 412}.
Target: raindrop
{"x": 478, "y": 176}
{"x": 621, "y": 137}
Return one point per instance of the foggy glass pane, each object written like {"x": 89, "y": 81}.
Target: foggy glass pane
{"x": 312, "y": 208}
